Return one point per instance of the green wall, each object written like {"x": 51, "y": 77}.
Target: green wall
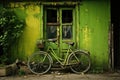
{"x": 94, "y": 31}
{"x": 93, "y": 19}
{"x": 32, "y": 15}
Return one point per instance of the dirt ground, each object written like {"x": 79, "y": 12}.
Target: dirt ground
{"x": 65, "y": 76}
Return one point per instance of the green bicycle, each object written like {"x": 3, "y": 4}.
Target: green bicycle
{"x": 77, "y": 60}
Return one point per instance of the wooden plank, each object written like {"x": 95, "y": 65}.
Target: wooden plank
{"x": 2, "y": 71}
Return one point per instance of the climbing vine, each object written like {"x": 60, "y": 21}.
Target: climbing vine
{"x": 11, "y": 29}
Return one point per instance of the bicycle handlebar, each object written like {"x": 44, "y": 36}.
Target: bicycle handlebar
{"x": 55, "y": 39}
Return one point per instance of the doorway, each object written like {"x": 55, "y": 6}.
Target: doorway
{"x": 115, "y": 20}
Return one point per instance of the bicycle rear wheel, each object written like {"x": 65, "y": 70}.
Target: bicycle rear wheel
{"x": 40, "y": 62}
{"x": 79, "y": 61}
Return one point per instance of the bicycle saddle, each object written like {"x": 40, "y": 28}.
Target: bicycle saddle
{"x": 70, "y": 43}
{"x": 52, "y": 40}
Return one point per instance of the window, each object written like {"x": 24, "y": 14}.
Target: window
{"x": 59, "y": 23}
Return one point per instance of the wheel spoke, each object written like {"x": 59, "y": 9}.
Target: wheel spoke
{"x": 40, "y": 62}
{"x": 80, "y": 62}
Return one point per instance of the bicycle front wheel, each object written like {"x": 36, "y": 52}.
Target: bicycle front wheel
{"x": 40, "y": 62}
{"x": 79, "y": 61}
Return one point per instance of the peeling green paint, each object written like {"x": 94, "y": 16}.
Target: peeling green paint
{"x": 86, "y": 37}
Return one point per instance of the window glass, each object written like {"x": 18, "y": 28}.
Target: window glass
{"x": 67, "y": 32}
{"x": 51, "y": 21}
{"x": 51, "y": 32}
{"x": 51, "y": 16}
{"x": 67, "y": 16}
{"x": 67, "y": 20}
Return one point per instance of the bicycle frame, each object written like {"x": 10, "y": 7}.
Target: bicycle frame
{"x": 60, "y": 60}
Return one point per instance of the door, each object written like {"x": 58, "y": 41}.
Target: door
{"x": 59, "y": 24}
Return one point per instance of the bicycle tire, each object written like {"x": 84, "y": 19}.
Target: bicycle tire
{"x": 79, "y": 61}
{"x": 40, "y": 62}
